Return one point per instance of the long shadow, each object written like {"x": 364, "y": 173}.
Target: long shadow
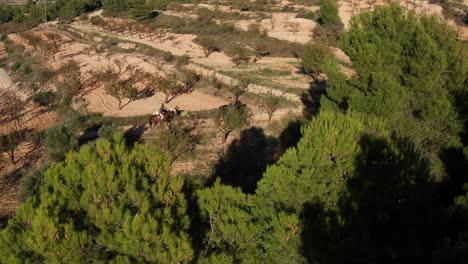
{"x": 246, "y": 159}
{"x": 133, "y": 134}
{"x": 388, "y": 212}
{"x": 89, "y": 135}
{"x": 290, "y": 136}
{"x": 311, "y": 99}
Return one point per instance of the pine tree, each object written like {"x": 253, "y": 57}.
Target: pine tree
{"x": 104, "y": 204}
{"x": 409, "y": 71}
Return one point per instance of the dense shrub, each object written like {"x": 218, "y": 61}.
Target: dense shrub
{"x": 61, "y": 139}
{"x": 15, "y": 66}
{"x": 27, "y": 69}
{"x": 329, "y": 13}
{"x": 46, "y": 98}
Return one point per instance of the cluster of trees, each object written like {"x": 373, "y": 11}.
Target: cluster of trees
{"x": 13, "y": 108}
{"x": 368, "y": 181}
{"x": 65, "y": 9}
{"x": 48, "y": 46}
{"x": 122, "y": 81}
{"x": 409, "y": 70}
{"x": 41, "y": 11}
{"x": 351, "y": 189}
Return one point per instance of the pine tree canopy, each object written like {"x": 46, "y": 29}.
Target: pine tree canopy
{"x": 409, "y": 71}
{"x": 103, "y": 204}
{"x": 348, "y": 174}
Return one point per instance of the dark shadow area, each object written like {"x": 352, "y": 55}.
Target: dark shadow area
{"x": 389, "y": 211}
{"x": 134, "y": 134}
{"x": 311, "y": 99}
{"x": 290, "y": 136}
{"x": 456, "y": 167}
{"x": 143, "y": 94}
{"x": 89, "y": 135}
{"x": 246, "y": 159}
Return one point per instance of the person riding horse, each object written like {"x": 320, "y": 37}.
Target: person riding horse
{"x": 164, "y": 115}
{"x": 160, "y": 113}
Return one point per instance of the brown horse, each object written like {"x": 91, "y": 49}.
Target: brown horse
{"x": 168, "y": 115}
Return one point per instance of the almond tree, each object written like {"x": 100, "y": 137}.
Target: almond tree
{"x": 121, "y": 89}
{"x": 171, "y": 87}
{"x": 270, "y": 104}
{"x": 209, "y": 46}
{"x": 160, "y": 34}
{"x": 230, "y": 119}
{"x": 9, "y": 143}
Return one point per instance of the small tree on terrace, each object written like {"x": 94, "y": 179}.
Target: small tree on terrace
{"x": 160, "y": 34}
{"x": 13, "y": 108}
{"x": 261, "y": 50}
{"x": 209, "y": 45}
{"x": 329, "y": 13}
{"x": 69, "y": 80}
{"x": 54, "y": 37}
{"x": 120, "y": 89}
{"x": 230, "y": 119}
{"x": 240, "y": 88}
{"x": 32, "y": 39}
{"x": 99, "y": 50}
{"x": 179, "y": 139}
{"x": 171, "y": 87}
{"x": 238, "y": 55}
{"x": 313, "y": 58}
{"x": 270, "y": 104}
{"x": 9, "y": 143}
{"x": 293, "y": 27}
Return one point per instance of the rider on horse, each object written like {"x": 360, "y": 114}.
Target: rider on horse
{"x": 161, "y": 112}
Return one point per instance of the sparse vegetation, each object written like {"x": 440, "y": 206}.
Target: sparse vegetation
{"x": 365, "y": 162}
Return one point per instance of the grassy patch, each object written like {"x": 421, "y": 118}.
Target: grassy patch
{"x": 272, "y": 73}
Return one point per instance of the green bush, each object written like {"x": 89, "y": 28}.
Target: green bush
{"x": 45, "y": 98}
{"x": 32, "y": 181}
{"x": 307, "y": 14}
{"x": 182, "y": 61}
{"x": 61, "y": 139}
{"x": 168, "y": 57}
{"x": 3, "y": 37}
{"x": 313, "y": 58}
{"x": 329, "y": 13}
{"x": 27, "y": 69}
{"x": 10, "y": 49}
{"x": 15, "y": 66}
{"x": 107, "y": 131}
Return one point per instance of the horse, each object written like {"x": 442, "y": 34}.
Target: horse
{"x": 168, "y": 115}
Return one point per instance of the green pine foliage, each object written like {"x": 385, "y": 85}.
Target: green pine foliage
{"x": 104, "y": 204}
{"x": 343, "y": 166}
{"x": 409, "y": 71}
{"x": 61, "y": 139}
{"x": 329, "y": 13}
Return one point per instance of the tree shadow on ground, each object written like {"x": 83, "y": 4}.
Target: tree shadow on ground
{"x": 389, "y": 211}
{"x": 89, "y": 135}
{"x": 311, "y": 99}
{"x": 133, "y": 134}
{"x": 246, "y": 159}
